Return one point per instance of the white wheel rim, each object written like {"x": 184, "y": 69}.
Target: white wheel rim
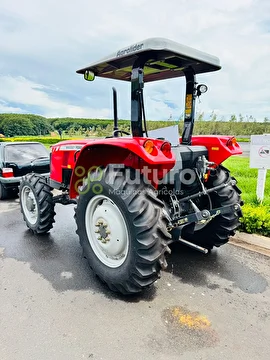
{"x": 29, "y": 205}
{"x": 106, "y": 231}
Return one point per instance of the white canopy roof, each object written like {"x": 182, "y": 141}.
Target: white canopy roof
{"x": 163, "y": 59}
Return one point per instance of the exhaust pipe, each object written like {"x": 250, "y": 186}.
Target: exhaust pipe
{"x": 115, "y": 117}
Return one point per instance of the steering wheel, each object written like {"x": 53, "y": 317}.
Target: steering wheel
{"x": 121, "y": 131}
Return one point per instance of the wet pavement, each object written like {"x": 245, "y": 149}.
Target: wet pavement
{"x": 205, "y": 307}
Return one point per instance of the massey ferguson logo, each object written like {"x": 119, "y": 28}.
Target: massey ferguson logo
{"x": 129, "y": 50}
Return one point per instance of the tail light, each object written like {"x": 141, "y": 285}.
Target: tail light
{"x": 166, "y": 148}
{"x": 7, "y": 172}
{"x": 231, "y": 142}
{"x": 149, "y": 146}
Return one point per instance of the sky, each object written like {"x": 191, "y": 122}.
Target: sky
{"x": 43, "y": 43}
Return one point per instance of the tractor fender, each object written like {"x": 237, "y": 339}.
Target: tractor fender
{"x": 125, "y": 151}
{"x": 219, "y": 148}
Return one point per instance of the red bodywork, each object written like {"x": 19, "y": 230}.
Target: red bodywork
{"x": 79, "y": 156}
{"x": 101, "y": 152}
{"x": 219, "y": 148}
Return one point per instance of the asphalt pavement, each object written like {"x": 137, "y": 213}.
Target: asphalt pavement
{"x": 206, "y": 307}
{"x": 245, "y": 146}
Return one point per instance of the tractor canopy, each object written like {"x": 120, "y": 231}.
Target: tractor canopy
{"x": 162, "y": 58}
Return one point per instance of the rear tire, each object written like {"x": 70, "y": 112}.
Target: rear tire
{"x": 3, "y": 192}
{"x": 36, "y": 201}
{"x": 13, "y": 193}
{"x": 218, "y": 231}
{"x": 122, "y": 231}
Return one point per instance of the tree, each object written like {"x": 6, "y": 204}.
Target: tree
{"x": 200, "y": 116}
{"x": 14, "y": 126}
{"x": 241, "y": 117}
{"x": 233, "y": 118}
{"x": 213, "y": 116}
{"x": 24, "y": 124}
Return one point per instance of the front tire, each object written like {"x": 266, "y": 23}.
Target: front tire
{"x": 36, "y": 201}
{"x": 122, "y": 231}
{"x": 218, "y": 231}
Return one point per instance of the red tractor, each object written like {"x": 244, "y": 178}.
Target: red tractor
{"x": 135, "y": 194}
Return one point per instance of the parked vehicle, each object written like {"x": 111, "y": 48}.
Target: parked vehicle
{"x": 18, "y": 159}
{"x": 136, "y": 194}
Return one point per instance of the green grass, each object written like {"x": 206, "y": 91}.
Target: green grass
{"x": 256, "y": 216}
{"x": 247, "y": 179}
{"x": 243, "y": 139}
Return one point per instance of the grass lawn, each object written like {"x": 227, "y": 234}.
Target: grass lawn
{"x": 247, "y": 179}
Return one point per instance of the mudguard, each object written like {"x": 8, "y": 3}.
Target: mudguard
{"x": 219, "y": 148}
{"x": 128, "y": 151}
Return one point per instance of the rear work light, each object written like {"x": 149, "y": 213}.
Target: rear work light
{"x": 166, "y": 148}
{"x": 231, "y": 142}
{"x": 7, "y": 172}
{"x": 149, "y": 146}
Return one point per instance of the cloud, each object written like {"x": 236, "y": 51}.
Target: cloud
{"x": 6, "y": 108}
{"x": 22, "y": 91}
{"x": 44, "y": 43}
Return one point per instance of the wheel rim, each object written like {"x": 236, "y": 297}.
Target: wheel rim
{"x": 107, "y": 231}
{"x": 29, "y": 205}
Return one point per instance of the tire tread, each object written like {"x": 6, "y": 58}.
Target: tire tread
{"x": 150, "y": 237}
{"x": 44, "y": 198}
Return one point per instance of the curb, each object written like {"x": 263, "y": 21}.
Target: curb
{"x": 253, "y": 242}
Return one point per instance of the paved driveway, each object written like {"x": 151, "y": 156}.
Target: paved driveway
{"x": 245, "y": 148}
{"x": 204, "y": 307}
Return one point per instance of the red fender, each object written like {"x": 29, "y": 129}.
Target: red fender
{"x": 219, "y": 148}
{"x": 127, "y": 151}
